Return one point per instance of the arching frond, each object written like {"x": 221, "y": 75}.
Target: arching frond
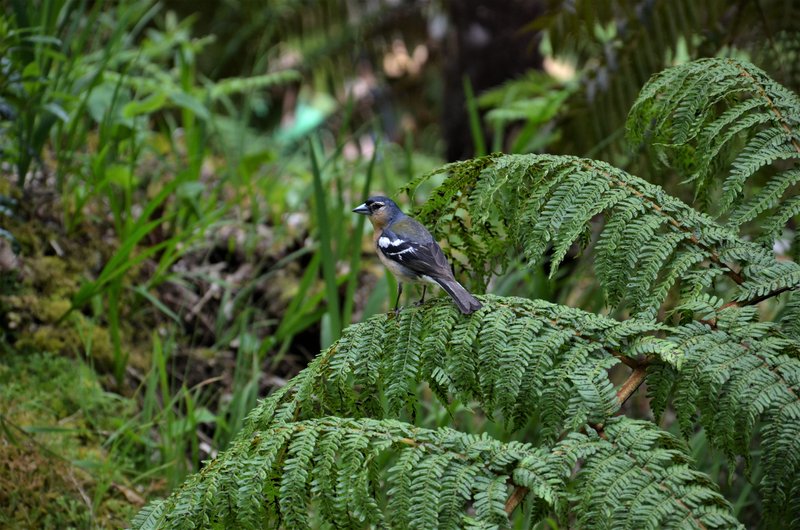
{"x": 538, "y": 202}
{"x": 334, "y": 468}
{"x": 728, "y": 120}
{"x": 740, "y": 363}
{"x": 518, "y": 358}
{"x": 740, "y": 375}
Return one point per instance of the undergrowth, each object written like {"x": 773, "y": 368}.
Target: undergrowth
{"x": 339, "y": 444}
{"x": 54, "y": 471}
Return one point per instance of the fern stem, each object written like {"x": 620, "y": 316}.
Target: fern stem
{"x": 759, "y": 299}
{"x": 753, "y": 301}
{"x": 515, "y": 498}
{"x": 630, "y": 385}
{"x": 631, "y": 362}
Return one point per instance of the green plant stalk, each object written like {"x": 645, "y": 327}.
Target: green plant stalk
{"x": 120, "y": 357}
{"x": 326, "y": 247}
{"x": 408, "y": 146}
{"x": 247, "y": 374}
{"x": 194, "y": 137}
{"x": 391, "y": 288}
{"x": 474, "y": 119}
{"x": 123, "y": 259}
{"x": 172, "y": 440}
{"x": 191, "y": 418}
{"x": 300, "y": 312}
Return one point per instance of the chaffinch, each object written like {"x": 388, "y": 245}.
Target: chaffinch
{"x": 408, "y": 250}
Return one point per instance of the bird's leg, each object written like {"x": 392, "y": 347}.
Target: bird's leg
{"x": 397, "y": 302}
{"x": 422, "y": 300}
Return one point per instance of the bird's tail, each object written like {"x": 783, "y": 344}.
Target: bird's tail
{"x": 464, "y": 300}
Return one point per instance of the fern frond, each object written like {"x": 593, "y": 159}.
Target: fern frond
{"x": 773, "y": 226}
{"x": 738, "y": 375}
{"x": 294, "y": 491}
{"x": 790, "y": 320}
{"x": 149, "y": 516}
{"x": 694, "y": 117}
{"x": 636, "y": 464}
{"x": 660, "y": 385}
{"x": 440, "y": 476}
{"x": 518, "y": 358}
{"x": 490, "y": 502}
{"x": 772, "y": 280}
{"x": 538, "y": 201}
{"x": 768, "y": 197}
{"x": 404, "y": 339}
{"x": 326, "y": 460}
{"x": 635, "y": 476}
{"x": 433, "y": 468}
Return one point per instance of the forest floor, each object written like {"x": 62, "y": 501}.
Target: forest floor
{"x": 78, "y": 449}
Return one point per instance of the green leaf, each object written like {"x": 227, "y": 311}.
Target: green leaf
{"x": 190, "y": 103}
{"x": 148, "y": 105}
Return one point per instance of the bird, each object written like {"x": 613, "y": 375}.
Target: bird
{"x": 407, "y": 249}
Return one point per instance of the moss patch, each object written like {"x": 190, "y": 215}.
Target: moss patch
{"x": 54, "y": 472}
{"x": 33, "y": 311}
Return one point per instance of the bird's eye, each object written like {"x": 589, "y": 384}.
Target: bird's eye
{"x": 376, "y": 206}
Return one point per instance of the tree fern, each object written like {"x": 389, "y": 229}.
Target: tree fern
{"x": 330, "y": 447}
{"x": 437, "y": 474}
{"x": 539, "y": 201}
{"x": 697, "y": 115}
{"x": 293, "y": 485}
{"x": 563, "y": 352}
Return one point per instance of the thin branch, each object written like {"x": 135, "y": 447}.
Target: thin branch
{"x": 759, "y": 299}
{"x": 631, "y": 384}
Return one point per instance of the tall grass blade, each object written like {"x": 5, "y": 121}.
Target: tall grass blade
{"x": 326, "y": 249}
{"x": 474, "y": 119}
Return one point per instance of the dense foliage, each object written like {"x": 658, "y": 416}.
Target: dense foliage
{"x": 176, "y": 181}
{"x": 338, "y": 443}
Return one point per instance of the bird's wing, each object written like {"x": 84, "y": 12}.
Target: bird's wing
{"x": 419, "y": 254}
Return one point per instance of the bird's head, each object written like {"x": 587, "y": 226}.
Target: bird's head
{"x": 379, "y": 210}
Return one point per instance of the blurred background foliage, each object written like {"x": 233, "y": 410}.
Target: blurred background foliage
{"x": 177, "y": 179}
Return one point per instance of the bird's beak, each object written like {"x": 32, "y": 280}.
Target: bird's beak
{"x": 362, "y": 209}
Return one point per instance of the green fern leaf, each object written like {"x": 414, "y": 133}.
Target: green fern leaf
{"x": 693, "y": 116}
{"x": 542, "y": 200}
